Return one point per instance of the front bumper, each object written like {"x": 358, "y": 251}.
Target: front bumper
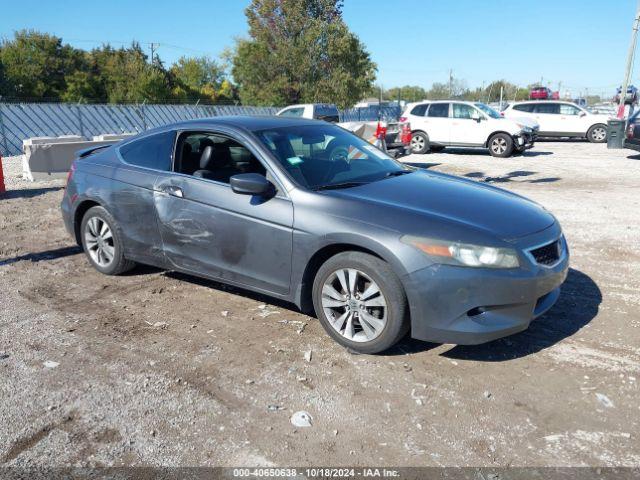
{"x": 525, "y": 141}
{"x": 467, "y": 306}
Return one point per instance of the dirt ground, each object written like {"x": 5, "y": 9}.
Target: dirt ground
{"x": 157, "y": 368}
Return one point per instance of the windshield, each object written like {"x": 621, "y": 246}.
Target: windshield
{"x": 326, "y": 156}
{"x": 488, "y": 110}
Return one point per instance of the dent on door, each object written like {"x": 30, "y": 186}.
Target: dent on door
{"x": 238, "y": 238}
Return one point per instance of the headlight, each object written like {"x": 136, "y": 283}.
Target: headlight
{"x": 454, "y": 253}
{"x": 524, "y": 128}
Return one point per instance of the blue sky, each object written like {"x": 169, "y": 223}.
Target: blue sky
{"x": 581, "y": 43}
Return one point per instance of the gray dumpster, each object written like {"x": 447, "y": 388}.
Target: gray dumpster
{"x": 615, "y": 133}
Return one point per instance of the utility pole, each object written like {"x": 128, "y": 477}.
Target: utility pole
{"x": 501, "y": 88}
{"x": 450, "y": 83}
{"x": 560, "y": 90}
{"x": 630, "y": 55}
{"x": 153, "y": 46}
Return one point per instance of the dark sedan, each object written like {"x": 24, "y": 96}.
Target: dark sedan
{"x": 632, "y": 134}
{"x": 304, "y": 211}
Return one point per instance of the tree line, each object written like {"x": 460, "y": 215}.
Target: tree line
{"x": 297, "y": 51}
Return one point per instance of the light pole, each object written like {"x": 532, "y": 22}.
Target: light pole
{"x": 630, "y": 55}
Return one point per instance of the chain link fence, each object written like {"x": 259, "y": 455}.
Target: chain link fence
{"x": 19, "y": 121}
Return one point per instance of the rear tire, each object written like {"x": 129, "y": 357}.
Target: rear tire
{"x": 597, "y": 133}
{"x": 419, "y": 143}
{"x": 368, "y": 314}
{"x": 102, "y": 242}
{"x": 501, "y": 145}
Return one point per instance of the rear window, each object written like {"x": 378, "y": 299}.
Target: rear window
{"x": 527, "y": 107}
{"x": 420, "y": 110}
{"x": 438, "y": 110}
{"x": 153, "y": 151}
{"x": 293, "y": 112}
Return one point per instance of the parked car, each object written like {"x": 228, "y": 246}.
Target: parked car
{"x": 630, "y": 98}
{"x": 319, "y": 111}
{"x": 562, "y": 119}
{"x": 439, "y": 124}
{"x": 392, "y": 137}
{"x": 306, "y": 212}
{"x": 540, "y": 93}
{"x": 632, "y": 140}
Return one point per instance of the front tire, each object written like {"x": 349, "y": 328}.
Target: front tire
{"x": 501, "y": 145}
{"x": 597, "y": 133}
{"x": 360, "y": 302}
{"x": 102, "y": 242}
{"x": 419, "y": 143}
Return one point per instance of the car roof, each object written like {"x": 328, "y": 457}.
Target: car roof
{"x": 424, "y": 102}
{"x": 522, "y": 102}
{"x": 248, "y": 122}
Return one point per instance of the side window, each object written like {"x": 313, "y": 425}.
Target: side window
{"x": 440, "y": 110}
{"x": 461, "y": 110}
{"x": 569, "y": 110}
{"x": 525, "y": 107}
{"x": 150, "y": 152}
{"x": 293, "y": 112}
{"x": 214, "y": 157}
{"x": 420, "y": 110}
{"x": 544, "y": 107}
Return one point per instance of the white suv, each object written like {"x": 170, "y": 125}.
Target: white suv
{"x": 439, "y": 124}
{"x": 562, "y": 119}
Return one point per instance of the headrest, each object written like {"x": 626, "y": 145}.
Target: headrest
{"x": 206, "y": 157}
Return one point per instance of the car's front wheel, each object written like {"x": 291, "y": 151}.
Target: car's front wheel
{"x": 360, "y": 302}
{"x": 597, "y": 133}
{"x": 501, "y": 145}
{"x": 419, "y": 143}
{"x": 102, "y": 242}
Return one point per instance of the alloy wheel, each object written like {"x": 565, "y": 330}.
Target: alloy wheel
{"x": 417, "y": 143}
{"x": 599, "y": 134}
{"x": 499, "y": 145}
{"x": 99, "y": 241}
{"x": 354, "y": 305}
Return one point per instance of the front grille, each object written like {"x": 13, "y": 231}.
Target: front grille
{"x": 547, "y": 254}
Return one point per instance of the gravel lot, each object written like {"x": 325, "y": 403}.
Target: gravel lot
{"x": 157, "y": 368}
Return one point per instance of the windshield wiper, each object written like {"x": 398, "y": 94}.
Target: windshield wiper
{"x": 333, "y": 186}
{"x": 397, "y": 173}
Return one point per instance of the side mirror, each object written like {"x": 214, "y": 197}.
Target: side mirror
{"x": 583, "y": 114}
{"x": 477, "y": 118}
{"x": 251, "y": 184}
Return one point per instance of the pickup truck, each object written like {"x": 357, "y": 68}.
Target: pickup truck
{"x": 392, "y": 137}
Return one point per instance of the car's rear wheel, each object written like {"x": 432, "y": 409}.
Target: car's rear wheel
{"x": 597, "y": 133}
{"x": 360, "y": 302}
{"x": 419, "y": 143}
{"x": 102, "y": 242}
{"x": 501, "y": 145}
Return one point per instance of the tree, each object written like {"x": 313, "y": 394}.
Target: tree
{"x": 125, "y": 76}
{"x": 35, "y": 64}
{"x": 196, "y": 78}
{"x": 410, "y": 93}
{"x": 300, "y": 51}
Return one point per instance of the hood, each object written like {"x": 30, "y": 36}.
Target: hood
{"x": 497, "y": 212}
{"x": 527, "y": 122}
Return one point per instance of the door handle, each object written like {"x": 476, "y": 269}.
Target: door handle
{"x": 172, "y": 190}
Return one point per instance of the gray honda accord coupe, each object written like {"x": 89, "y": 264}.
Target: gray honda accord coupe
{"x": 309, "y": 213}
